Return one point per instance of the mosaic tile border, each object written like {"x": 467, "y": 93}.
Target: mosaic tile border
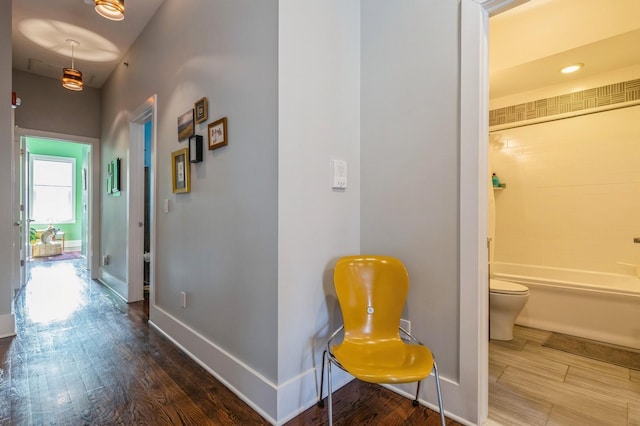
{"x": 586, "y": 99}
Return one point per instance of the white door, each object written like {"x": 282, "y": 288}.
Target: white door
{"x": 21, "y": 219}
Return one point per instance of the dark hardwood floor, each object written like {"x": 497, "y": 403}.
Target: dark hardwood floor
{"x": 83, "y": 357}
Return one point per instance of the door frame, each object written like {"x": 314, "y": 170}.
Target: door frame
{"x": 93, "y": 188}
{"x": 135, "y": 201}
{"x": 20, "y": 222}
{"x": 474, "y": 146}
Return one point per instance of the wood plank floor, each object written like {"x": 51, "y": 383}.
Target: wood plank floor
{"x": 83, "y": 357}
{"x": 530, "y": 384}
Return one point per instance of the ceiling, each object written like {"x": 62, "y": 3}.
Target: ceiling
{"x": 529, "y": 44}
{"x": 41, "y": 28}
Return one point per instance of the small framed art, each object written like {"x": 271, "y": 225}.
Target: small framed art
{"x": 113, "y": 177}
{"x": 185, "y": 125}
{"x": 218, "y": 133}
{"x": 195, "y": 149}
{"x": 180, "y": 168}
{"x": 201, "y": 109}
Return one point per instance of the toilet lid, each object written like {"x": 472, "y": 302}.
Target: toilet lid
{"x": 507, "y": 287}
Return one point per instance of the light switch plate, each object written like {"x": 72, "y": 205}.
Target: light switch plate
{"x": 339, "y": 174}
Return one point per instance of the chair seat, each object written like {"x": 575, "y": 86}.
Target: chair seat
{"x": 385, "y": 362}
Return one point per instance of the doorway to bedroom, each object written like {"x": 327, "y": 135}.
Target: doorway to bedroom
{"x": 56, "y": 199}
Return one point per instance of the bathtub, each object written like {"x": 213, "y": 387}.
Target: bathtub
{"x": 593, "y": 305}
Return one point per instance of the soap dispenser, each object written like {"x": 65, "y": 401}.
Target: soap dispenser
{"x": 495, "y": 180}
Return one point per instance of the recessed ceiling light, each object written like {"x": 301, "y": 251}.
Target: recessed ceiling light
{"x": 571, "y": 68}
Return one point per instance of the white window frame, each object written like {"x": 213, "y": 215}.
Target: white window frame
{"x": 72, "y": 161}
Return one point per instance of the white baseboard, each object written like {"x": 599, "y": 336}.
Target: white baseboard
{"x": 276, "y": 404}
{"x": 119, "y": 287}
{"x": 72, "y": 245}
{"x": 298, "y": 394}
{"x": 249, "y": 385}
{"x": 7, "y": 325}
{"x": 452, "y": 396}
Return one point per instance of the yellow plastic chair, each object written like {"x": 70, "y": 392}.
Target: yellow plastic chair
{"x": 372, "y": 291}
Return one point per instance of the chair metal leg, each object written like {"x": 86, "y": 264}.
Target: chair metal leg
{"x": 435, "y": 369}
{"x": 416, "y": 402}
{"x": 330, "y": 390}
{"x": 320, "y": 400}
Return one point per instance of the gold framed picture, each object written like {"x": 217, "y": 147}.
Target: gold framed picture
{"x": 201, "y": 109}
{"x": 218, "y": 133}
{"x": 180, "y": 171}
{"x": 185, "y": 125}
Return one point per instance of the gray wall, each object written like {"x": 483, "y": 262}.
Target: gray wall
{"x": 409, "y": 158}
{"x": 48, "y": 106}
{"x": 6, "y": 205}
{"x": 319, "y": 116}
{"x": 218, "y": 242}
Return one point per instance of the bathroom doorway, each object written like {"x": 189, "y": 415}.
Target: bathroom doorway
{"x": 141, "y": 202}
{"x": 509, "y": 95}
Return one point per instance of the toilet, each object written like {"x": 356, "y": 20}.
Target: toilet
{"x": 506, "y": 301}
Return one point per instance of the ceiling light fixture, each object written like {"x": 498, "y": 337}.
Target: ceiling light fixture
{"x": 111, "y": 9}
{"x": 71, "y": 77}
{"x": 571, "y": 68}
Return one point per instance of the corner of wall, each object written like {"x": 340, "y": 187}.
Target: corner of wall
{"x": 251, "y": 387}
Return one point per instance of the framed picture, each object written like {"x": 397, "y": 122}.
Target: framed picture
{"x": 180, "y": 171}
{"x": 115, "y": 189}
{"x": 201, "y": 109}
{"x": 218, "y": 133}
{"x": 185, "y": 125}
{"x": 113, "y": 177}
{"x": 195, "y": 149}
{"x": 109, "y": 176}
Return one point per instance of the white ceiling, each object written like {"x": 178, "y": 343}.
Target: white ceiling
{"x": 531, "y": 43}
{"x": 41, "y": 28}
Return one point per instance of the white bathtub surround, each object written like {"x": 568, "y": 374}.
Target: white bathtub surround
{"x": 594, "y": 305}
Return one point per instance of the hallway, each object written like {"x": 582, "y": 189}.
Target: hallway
{"x": 83, "y": 356}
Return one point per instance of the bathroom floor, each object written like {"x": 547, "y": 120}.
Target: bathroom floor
{"x": 530, "y": 384}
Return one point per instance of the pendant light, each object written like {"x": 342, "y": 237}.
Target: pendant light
{"x": 71, "y": 77}
{"x": 111, "y": 9}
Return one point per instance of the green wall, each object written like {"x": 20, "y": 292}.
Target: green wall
{"x": 72, "y": 231}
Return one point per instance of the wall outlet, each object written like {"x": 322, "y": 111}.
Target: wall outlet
{"x": 105, "y": 260}
{"x": 183, "y": 294}
{"x": 406, "y": 324}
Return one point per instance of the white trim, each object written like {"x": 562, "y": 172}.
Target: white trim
{"x": 474, "y": 304}
{"x": 19, "y": 235}
{"x": 54, "y": 159}
{"x": 249, "y": 385}
{"x": 72, "y": 245}
{"x": 301, "y": 392}
{"x": 494, "y": 7}
{"x": 7, "y": 326}
{"x": 114, "y": 284}
{"x": 410, "y": 394}
{"x": 473, "y": 214}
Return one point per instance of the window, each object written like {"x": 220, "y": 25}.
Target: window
{"x": 53, "y": 189}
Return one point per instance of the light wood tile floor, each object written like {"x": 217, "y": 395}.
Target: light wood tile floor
{"x": 530, "y": 384}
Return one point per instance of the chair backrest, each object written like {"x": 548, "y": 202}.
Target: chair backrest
{"x": 372, "y": 291}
